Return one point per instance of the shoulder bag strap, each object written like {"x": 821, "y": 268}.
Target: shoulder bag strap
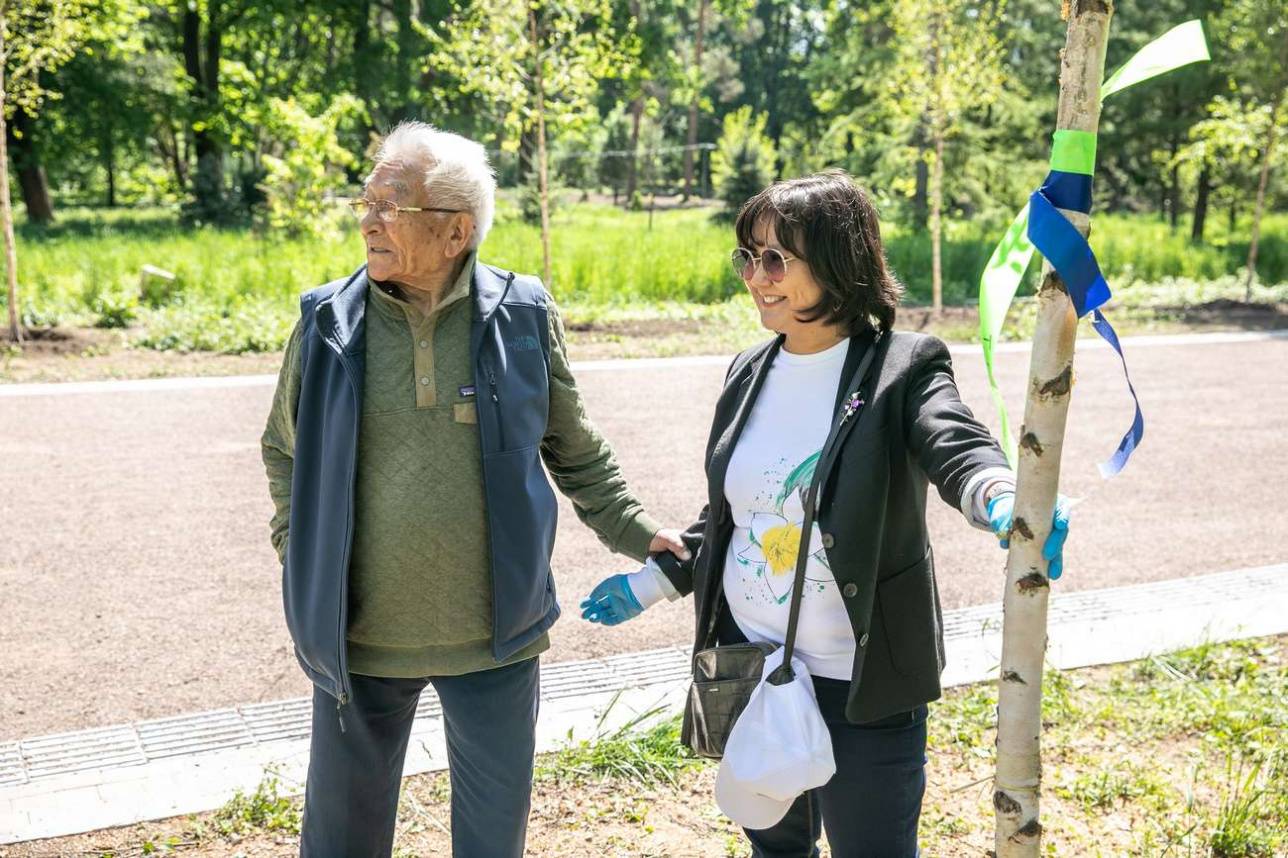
{"x": 849, "y": 410}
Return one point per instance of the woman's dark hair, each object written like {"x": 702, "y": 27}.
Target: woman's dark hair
{"x": 830, "y": 224}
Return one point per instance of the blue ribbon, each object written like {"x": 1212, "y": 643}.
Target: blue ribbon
{"x": 1068, "y": 191}
{"x": 1071, "y": 256}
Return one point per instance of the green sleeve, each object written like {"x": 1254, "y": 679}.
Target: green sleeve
{"x": 582, "y": 463}
{"x": 278, "y": 441}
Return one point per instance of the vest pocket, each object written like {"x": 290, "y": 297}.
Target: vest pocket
{"x": 465, "y": 412}
{"x": 522, "y": 518}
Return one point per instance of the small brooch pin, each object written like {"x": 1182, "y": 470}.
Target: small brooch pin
{"x": 852, "y": 404}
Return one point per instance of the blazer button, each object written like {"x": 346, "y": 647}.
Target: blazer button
{"x": 828, "y": 541}
{"x": 863, "y": 641}
{"x": 850, "y": 590}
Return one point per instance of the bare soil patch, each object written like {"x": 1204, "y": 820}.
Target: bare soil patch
{"x": 88, "y": 354}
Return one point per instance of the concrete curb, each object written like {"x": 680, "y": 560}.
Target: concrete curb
{"x": 83, "y": 781}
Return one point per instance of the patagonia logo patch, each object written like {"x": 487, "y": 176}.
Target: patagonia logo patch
{"x": 524, "y": 343}
{"x": 466, "y": 390}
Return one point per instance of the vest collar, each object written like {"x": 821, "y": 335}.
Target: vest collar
{"x": 490, "y": 287}
{"x": 341, "y": 318}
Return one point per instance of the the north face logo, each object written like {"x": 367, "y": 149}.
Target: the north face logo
{"x": 523, "y": 344}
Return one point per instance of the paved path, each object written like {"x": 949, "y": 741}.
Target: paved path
{"x": 137, "y": 581}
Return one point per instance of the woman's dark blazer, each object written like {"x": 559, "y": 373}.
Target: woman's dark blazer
{"x": 913, "y": 430}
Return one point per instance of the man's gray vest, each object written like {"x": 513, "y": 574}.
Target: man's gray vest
{"x": 510, "y": 351}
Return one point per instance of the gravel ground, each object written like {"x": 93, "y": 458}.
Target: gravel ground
{"x": 137, "y": 580}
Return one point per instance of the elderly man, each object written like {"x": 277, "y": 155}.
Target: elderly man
{"x": 416, "y": 403}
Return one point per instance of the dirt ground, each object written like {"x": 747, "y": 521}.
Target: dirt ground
{"x": 137, "y": 579}
{"x": 88, "y": 354}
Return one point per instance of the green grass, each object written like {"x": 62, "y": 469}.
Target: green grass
{"x": 1176, "y": 755}
{"x": 644, "y": 750}
{"x": 236, "y": 290}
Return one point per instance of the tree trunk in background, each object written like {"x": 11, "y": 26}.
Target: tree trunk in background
{"x": 203, "y": 79}
{"x": 364, "y": 76}
{"x": 543, "y": 187}
{"x": 921, "y": 190}
{"x": 1267, "y": 155}
{"x": 172, "y": 151}
{"x": 1016, "y": 785}
{"x": 937, "y": 132}
{"x": 31, "y": 173}
{"x": 1174, "y": 193}
{"x": 632, "y": 171}
{"x": 637, "y": 115}
{"x": 403, "y": 107}
{"x": 6, "y": 208}
{"x": 527, "y": 154}
{"x": 109, "y": 166}
{"x": 697, "y": 96}
{"x": 1202, "y": 192}
{"x": 936, "y": 226}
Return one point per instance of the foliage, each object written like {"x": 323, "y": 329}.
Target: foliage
{"x": 307, "y": 167}
{"x": 42, "y": 35}
{"x": 486, "y": 51}
{"x": 946, "y": 71}
{"x": 743, "y": 163}
{"x": 236, "y": 290}
{"x": 836, "y": 84}
{"x": 262, "y": 810}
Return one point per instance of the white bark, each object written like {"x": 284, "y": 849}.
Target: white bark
{"x": 1019, "y": 724}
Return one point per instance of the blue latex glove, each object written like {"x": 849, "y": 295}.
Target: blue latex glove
{"x": 1002, "y": 507}
{"x": 611, "y": 602}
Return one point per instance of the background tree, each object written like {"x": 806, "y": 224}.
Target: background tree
{"x": 567, "y": 47}
{"x": 35, "y": 38}
{"x": 1227, "y": 148}
{"x": 743, "y": 163}
{"x": 1256, "y": 32}
{"x": 946, "y": 72}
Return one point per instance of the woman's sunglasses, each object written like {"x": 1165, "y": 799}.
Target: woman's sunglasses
{"x": 772, "y": 261}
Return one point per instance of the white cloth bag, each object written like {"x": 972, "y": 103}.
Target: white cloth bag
{"x": 778, "y": 748}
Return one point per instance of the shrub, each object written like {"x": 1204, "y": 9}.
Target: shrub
{"x": 744, "y": 161}
{"x": 307, "y": 165}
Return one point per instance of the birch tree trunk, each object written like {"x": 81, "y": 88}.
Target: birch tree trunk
{"x": 1019, "y": 719}
{"x": 6, "y": 205}
{"x": 542, "y": 175}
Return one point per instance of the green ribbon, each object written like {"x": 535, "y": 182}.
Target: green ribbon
{"x": 1074, "y": 152}
{"x": 1071, "y": 152}
{"x": 1179, "y": 46}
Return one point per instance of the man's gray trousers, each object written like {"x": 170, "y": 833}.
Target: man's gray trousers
{"x": 351, "y": 802}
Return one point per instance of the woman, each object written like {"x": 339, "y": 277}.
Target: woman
{"x": 870, "y": 627}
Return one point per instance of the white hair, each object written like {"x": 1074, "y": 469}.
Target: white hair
{"x": 455, "y": 170}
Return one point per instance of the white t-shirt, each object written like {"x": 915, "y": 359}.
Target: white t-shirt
{"x": 769, "y": 474}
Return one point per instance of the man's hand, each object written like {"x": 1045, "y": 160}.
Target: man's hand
{"x": 611, "y": 602}
{"x": 1001, "y": 508}
{"x": 668, "y": 539}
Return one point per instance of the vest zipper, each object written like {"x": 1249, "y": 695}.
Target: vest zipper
{"x": 341, "y": 620}
{"x": 496, "y": 410}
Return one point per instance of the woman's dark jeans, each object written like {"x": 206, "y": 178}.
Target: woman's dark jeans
{"x": 871, "y": 805}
